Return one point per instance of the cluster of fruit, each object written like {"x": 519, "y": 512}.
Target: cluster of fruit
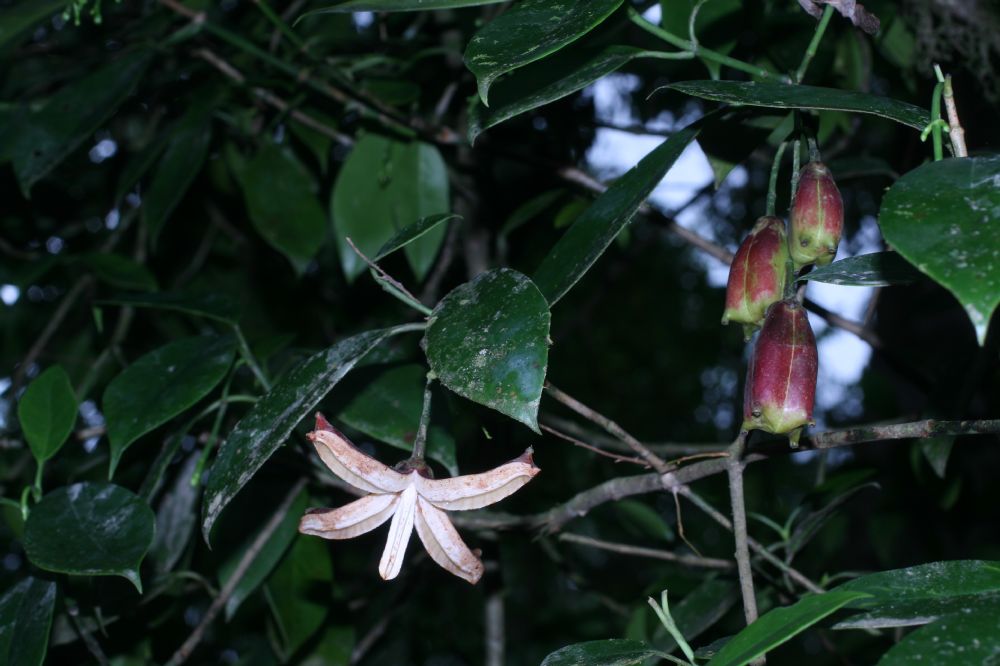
{"x": 781, "y": 379}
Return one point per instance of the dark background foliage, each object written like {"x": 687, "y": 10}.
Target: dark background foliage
{"x": 637, "y": 338}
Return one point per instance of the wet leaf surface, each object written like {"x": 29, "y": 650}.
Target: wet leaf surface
{"x": 90, "y": 529}
{"x": 488, "y": 341}
{"x": 944, "y": 218}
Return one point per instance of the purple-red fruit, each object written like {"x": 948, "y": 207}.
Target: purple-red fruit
{"x": 757, "y": 274}
{"x": 817, "y": 217}
{"x": 781, "y": 380}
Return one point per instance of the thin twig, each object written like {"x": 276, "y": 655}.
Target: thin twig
{"x": 65, "y": 305}
{"x": 754, "y": 545}
{"x": 388, "y": 283}
{"x": 185, "y": 650}
{"x": 652, "y": 553}
{"x": 590, "y": 447}
{"x": 268, "y": 97}
{"x": 680, "y": 523}
{"x": 610, "y": 426}
{"x": 579, "y": 505}
{"x": 662, "y": 449}
{"x": 734, "y": 470}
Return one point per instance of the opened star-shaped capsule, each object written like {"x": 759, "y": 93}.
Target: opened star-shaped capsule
{"x": 411, "y": 499}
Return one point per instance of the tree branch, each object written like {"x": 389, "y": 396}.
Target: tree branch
{"x": 734, "y": 470}
{"x": 652, "y": 553}
{"x": 185, "y": 650}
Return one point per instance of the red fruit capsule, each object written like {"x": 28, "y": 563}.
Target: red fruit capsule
{"x": 757, "y": 274}
{"x": 781, "y": 380}
{"x": 817, "y": 217}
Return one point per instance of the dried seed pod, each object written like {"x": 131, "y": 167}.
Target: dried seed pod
{"x": 781, "y": 380}
{"x": 817, "y": 217}
{"x": 757, "y": 274}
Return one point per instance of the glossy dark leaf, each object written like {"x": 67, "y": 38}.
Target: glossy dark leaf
{"x": 936, "y": 452}
{"x": 90, "y": 529}
{"x": 593, "y": 231}
{"x": 47, "y": 412}
{"x": 936, "y": 580}
{"x": 916, "y": 612}
{"x": 487, "y": 340}
{"x": 176, "y": 516}
{"x": 529, "y": 31}
{"x": 300, "y": 591}
{"x": 211, "y": 305}
{"x": 787, "y": 96}
{"x": 44, "y": 138}
{"x": 25, "y": 620}
{"x": 537, "y": 84}
{"x": 963, "y": 638}
{"x": 412, "y": 232}
{"x": 15, "y": 21}
{"x": 944, "y": 218}
{"x": 281, "y": 198}
{"x": 878, "y": 269}
{"x": 185, "y": 153}
{"x": 806, "y": 528}
{"x": 778, "y": 625}
{"x": 120, "y": 271}
{"x": 161, "y": 385}
{"x": 388, "y": 406}
{"x": 396, "y": 6}
{"x": 269, "y": 423}
{"x": 611, "y": 652}
{"x": 382, "y": 188}
{"x": 265, "y": 561}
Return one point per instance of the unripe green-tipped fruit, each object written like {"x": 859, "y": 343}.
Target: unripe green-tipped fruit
{"x": 781, "y": 380}
{"x": 817, "y": 217}
{"x": 757, "y": 274}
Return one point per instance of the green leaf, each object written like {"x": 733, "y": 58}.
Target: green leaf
{"x": 542, "y": 82}
{"x": 212, "y": 305}
{"x": 529, "y": 31}
{"x": 936, "y": 580}
{"x": 806, "y": 528}
{"x": 71, "y": 116}
{"x": 944, "y": 218}
{"x": 936, "y": 452}
{"x": 161, "y": 385}
{"x": 185, "y": 153}
{"x": 47, "y": 412}
{"x": 786, "y": 96}
{"x": 334, "y": 648}
{"x": 530, "y": 209}
{"x": 611, "y": 652}
{"x": 25, "y": 620}
{"x": 175, "y": 517}
{"x": 281, "y": 198}
{"x": 265, "y": 561}
{"x": 487, "y": 341}
{"x": 731, "y": 139}
{"x": 386, "y": 402}
{"x": 701, "y": 608}
{"x": 396, "y": 6}
{"x": 410, "y": 233}
{"x": 90, "y": 529}
{"x": 593, "y": 231}
{"x": 963, "y": 638}
{"x": 385, "y": 186}
{"x": 915, "y": 612}
{"x": 119, "y": 271}
{"x": 300, "y": 591}
{"x": 777, "y": 626}
{"x": 878, "y": 269}
{"x": 17, "y": 20}
{"x": 270, "y": 421}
